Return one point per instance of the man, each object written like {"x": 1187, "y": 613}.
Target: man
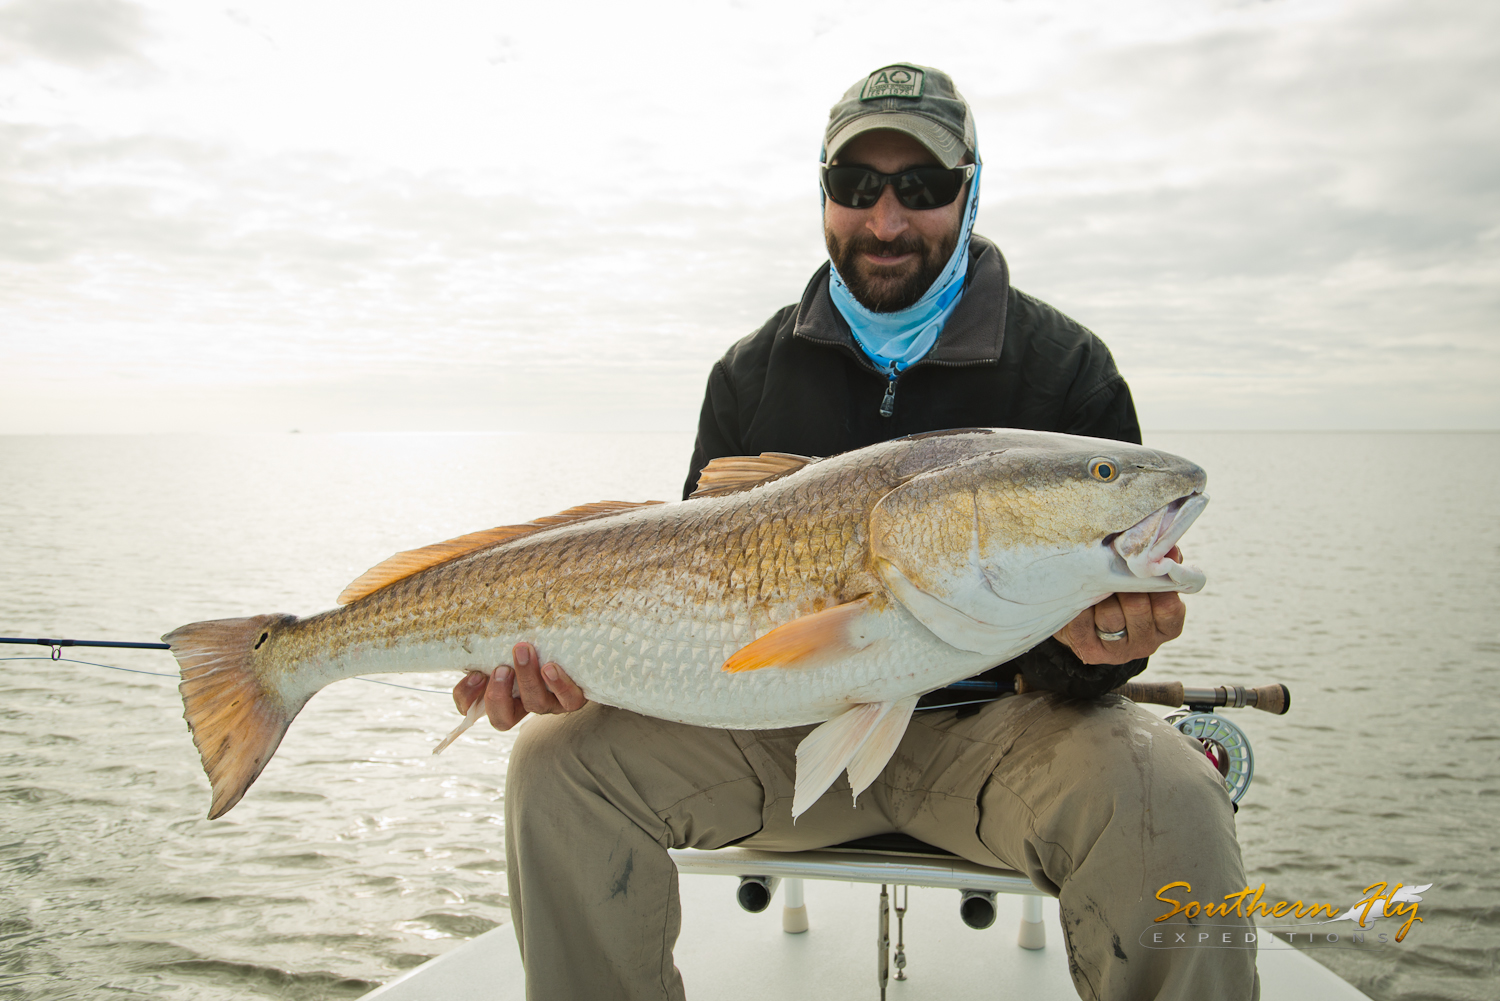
{"x": 913, "y": 327}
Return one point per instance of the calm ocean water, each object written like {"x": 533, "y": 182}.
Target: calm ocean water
{"x": 1362, "y": 570}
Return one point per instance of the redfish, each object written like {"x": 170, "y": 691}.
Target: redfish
{"x": 788, "y": 590}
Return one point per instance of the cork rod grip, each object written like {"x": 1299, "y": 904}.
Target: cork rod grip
{"x": 1161, "y": 693}
{"x": 1273, "y": 698}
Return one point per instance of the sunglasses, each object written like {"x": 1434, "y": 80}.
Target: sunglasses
{"x": 918, "y": 188}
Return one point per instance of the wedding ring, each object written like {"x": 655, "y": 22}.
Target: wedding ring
{"x": 1113, "y": 637}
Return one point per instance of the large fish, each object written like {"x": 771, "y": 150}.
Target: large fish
{"x": 789, "y": 590}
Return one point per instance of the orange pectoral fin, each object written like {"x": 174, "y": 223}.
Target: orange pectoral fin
{"x": 807, "y": 641}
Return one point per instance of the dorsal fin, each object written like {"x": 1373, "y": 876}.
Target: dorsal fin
{"x": 403, "y": 565}
{"x": 733, "y": 473}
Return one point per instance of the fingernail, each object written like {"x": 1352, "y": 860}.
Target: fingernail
{"x": 502, "y": 674}
{"x": 523, "y": 657}
{"x": 474, "y": 679}
{"x": 549, "y": 672}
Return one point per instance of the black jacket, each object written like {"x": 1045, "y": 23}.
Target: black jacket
{"x": 801, "y": 384}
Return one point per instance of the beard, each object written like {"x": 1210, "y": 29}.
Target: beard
{"x": 889, "y": 288}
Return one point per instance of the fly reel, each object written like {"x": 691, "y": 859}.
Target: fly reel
{"x": 1225, "y": 744}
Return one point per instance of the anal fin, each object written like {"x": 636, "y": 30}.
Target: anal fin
{"x": 861, "y": 739}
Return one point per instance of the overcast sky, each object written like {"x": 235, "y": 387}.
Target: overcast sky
{"x": 448, "y": 215}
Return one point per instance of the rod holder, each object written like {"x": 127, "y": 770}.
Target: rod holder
{"x": 977, "y": 908}
{"x": 755, "y": 892}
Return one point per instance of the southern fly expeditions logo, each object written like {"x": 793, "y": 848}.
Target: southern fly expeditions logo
{"x": 1179, "y": 926}
{"x": 893, "y": 81}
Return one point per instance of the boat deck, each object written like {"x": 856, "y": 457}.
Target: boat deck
{"x": 726, "y": 954}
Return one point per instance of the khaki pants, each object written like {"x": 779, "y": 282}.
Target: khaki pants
{"x": 1100, "y": 803}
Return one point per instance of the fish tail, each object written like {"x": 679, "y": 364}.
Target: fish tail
{"x": 237, "y": 720}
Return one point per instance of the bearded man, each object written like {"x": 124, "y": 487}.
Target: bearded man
{"x": 913, "y": 326}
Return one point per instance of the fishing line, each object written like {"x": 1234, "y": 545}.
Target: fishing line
{"x": 158, "y": 674}
{"x": 112, "y": 667}
{"x": 409, "y": 688}
{"x": 57, "y": 646}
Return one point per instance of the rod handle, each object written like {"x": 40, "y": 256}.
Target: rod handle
{"x": 1160, "y": 693}
{"x": 1274, "y": 699}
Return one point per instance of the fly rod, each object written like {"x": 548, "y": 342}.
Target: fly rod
{"x": 117, "y": 644}
{"x": 1276, "y": 699}
{"x": 57, "y": 649}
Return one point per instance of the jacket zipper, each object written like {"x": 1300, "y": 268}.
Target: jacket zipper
{"x": 888, "y": 405}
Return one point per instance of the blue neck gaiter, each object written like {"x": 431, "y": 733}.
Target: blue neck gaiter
{"x": 897, "y": 340}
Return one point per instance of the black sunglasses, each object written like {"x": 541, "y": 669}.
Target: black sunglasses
{"x": 918, "y": 188}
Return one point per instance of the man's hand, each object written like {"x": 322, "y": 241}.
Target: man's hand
{"x": 510, "y": 693}
{"x": 1149, "y": 620}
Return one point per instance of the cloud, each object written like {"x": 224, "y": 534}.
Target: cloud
{"x": 1274, "y": 226}
{"x": 78, "y": 33}
{"x": 1275, "y": 216}
{"x": 169, "y": 263}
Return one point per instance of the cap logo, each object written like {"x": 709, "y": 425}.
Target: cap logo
{"x": 893, "y": 81}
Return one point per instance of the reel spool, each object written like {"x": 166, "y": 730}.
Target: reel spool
{"x": 1225, "y": 745}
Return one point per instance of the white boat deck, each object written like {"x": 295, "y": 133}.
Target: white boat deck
{"x": 726, "y": 954}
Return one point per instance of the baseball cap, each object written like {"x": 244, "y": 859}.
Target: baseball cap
{"x": 918, "y": 100}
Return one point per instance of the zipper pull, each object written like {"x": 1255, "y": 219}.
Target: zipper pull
{"x": 888, "y": 405}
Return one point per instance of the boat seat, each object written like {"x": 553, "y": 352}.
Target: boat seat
{"x": 889, "y": 860}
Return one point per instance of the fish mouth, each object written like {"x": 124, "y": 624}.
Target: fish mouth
{"x": 1144, "y": 547}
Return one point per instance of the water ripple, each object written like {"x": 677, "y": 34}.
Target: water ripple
{"x": 358, "y": 854}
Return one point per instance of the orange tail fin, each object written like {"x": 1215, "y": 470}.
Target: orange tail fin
{"x": 236, "y": 723}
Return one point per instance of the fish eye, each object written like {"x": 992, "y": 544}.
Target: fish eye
{"x": 1103, "y": 470}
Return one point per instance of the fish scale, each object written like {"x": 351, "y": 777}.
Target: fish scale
{"x": 547, "y": 596}
{"x": 795, "y": 591}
